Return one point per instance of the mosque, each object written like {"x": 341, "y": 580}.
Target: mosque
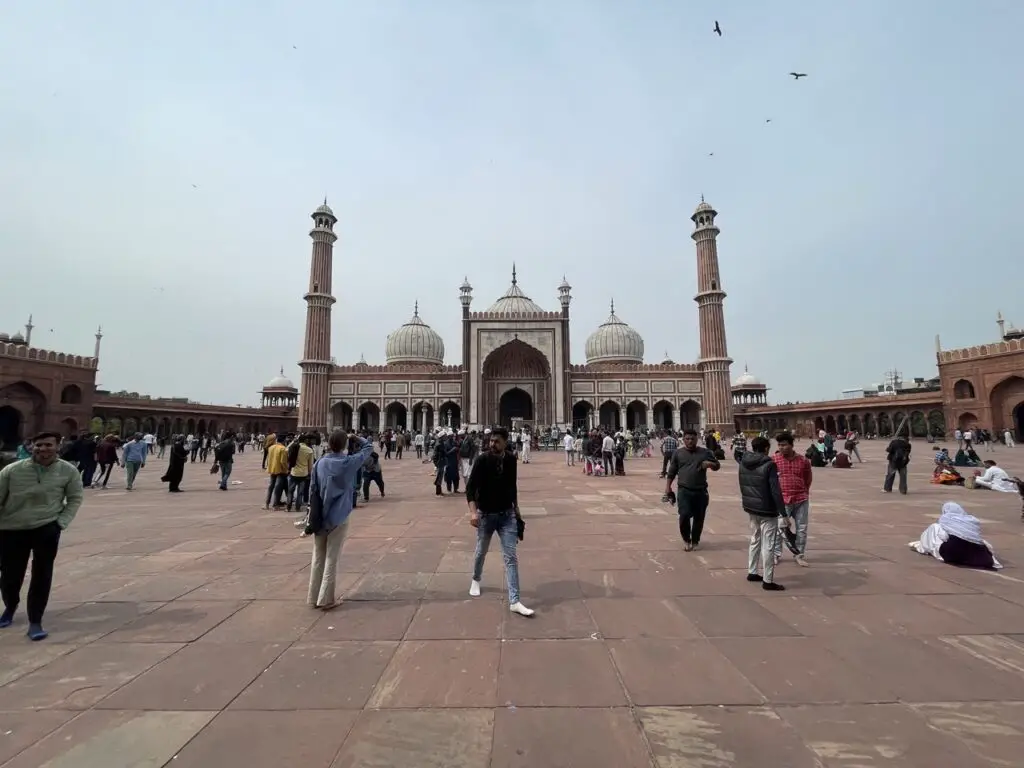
{"x": 515, "y": 362}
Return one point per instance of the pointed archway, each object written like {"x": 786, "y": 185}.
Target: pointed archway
{"x": 515, "y": 404}
{"x": 516, "y": 365}
{"x": 10, "y": 428}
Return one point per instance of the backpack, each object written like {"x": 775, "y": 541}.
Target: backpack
{"x": 466, "y": 449}
{"x": 898, "y": 457}
{"x": 293, "y": 454}
{"x": 223, "y": 451}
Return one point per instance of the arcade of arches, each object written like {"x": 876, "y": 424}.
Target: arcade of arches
{"x": 516, "y": 385}
{"x": 635, "y": 414}
{"x": 25, "y": 410}
{"x": 884, "y": 423}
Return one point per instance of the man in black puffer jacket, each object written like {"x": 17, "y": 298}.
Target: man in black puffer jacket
{"x": 762, "y": 500}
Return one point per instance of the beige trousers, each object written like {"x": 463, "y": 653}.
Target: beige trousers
{"x": 322, "y": 572}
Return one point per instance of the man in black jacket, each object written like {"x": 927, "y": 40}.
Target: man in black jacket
{"x": 493, "y": 498}
{"x": 898, "y": 454}
{"x": 761, "y": 492}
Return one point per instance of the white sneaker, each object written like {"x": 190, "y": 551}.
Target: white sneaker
{"x": 521, "y": 609}
{"x": 474, "y": 588}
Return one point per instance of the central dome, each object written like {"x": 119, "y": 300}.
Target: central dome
{"x": 614, "y": 342}
{"x": 415, "y": 342}
{"x": 514, "y": 301}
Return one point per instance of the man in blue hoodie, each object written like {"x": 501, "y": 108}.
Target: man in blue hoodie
{"x": 332, "y": 489}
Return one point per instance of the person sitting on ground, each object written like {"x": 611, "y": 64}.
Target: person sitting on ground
{"x": 842, "y": 461}
{"x": 942, "y": 458}
{"x": 967, "y": 458}
{"x": 995, "y": 479}
{"x": 956, "y": 539}
{"x": 815, "y": 453}
{"x": 944, "y": 474}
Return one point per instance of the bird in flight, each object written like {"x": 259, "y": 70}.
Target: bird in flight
{"x": 711, "y": 154}
{"x": 768, "y": 120}
{"x": 798, "y": 75}
{"x": 718, "y": 29}
{"x": 195, "y": 186}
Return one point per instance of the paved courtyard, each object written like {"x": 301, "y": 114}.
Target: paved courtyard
{"x": 179, "y": 634}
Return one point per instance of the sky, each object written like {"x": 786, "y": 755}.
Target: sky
{"x": 160, "y": 162}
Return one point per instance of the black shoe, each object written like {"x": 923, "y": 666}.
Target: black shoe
{"x": 771, "y": 586}
{"x": 754, "y": 577}
{"x": 437, "y": 490}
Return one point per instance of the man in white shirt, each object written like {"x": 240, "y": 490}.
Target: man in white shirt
{"x": 968, "y": 439}
{"x": 608, "y": 455}
{"x": 150, "y": 440}
{"x": 1008, "y": 438}
{"x": 569, "y": 443}
{"x": 525, "y": 437}
{"x": 995, "y": 479}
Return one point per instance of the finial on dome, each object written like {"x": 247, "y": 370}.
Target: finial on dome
{"x": 325, "y": 199}
{"x": 362, "y": 359}
{"x": 745, "y": 368}
{"x": 613, "y": 306}
{"x": 702, "y": 197}
{"x": 513, "y": 273}
{"x": 416, "y": 309}
{"x": 282, "y": 370}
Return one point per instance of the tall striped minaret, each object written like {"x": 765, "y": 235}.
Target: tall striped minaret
{"x": 316, "y": 356}
{"x": 714, "y": 359}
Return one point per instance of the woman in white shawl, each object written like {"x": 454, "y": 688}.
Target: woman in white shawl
{"x": 956, "y": 539}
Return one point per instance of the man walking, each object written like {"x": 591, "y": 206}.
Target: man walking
{"x": 569, "y": 444}
{"x": 761, "y": 492}
{"x": 39, "y": 497}
{"x": 795, "y": 476}
{"x": 468, "y": 451}
{"x": 493, "y": 497}
{"x": 690, "y": 464}
{"x": 224, "y": 455}
{"x": 898, "y": 453}
{"x": 669, "y": 445}
{"x": 133, "y": 458}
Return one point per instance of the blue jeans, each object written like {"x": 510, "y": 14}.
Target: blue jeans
{"x": 298, "y": 491}
{"x": 800, "y": 512}
{"x": 504, "y": 524}
{"x": 225, "y": 473}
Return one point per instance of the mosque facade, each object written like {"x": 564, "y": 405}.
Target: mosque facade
{"x": 515, "y": 362}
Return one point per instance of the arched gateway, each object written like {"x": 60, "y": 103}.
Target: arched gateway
{"x": 516, "y": 384}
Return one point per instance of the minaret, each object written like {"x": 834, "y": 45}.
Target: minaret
{"x": 714, "y": 359}
{"x": 565, "y": 299}
{"x": 28, "y": 332}
{"x": 99, "y": 337}
{"x": 316, "y": 357}
{"x": 466, "y": 299}
{"x": 999, "y": 321}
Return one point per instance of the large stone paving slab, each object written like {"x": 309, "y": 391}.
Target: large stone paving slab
{"x": 180, "y": 634}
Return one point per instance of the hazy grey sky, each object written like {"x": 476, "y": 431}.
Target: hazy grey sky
{"x": 880, "y": 205}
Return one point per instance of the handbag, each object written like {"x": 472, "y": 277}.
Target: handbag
{"x": 520, "y": 526}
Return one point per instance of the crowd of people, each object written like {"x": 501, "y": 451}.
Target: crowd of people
{"x": 323, "y": 481}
